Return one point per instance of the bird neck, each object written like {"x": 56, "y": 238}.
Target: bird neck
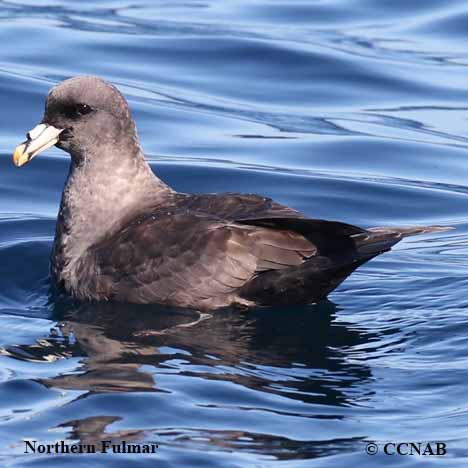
{"x": 100, "y": 195}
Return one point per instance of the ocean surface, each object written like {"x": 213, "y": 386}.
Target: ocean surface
{"x": 347, "y": 110}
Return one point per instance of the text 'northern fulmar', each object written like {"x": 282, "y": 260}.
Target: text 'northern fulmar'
{"x": 122, "y": 234}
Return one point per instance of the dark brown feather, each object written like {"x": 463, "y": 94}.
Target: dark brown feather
{"x": 211, "y": 251}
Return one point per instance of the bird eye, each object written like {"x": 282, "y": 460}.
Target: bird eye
{"x": 83, "y": 109}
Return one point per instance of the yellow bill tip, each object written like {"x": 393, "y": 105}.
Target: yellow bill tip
{"x": 20, "y": 156}
{"x": 40, "y": 138}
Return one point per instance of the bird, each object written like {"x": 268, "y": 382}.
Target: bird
{"x": 124, "y": 235}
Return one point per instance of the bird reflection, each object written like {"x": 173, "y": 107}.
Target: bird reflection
{"x": 93, "y": 429}
{"x": 300, "y": 353}
{"x": 118, "y": 339}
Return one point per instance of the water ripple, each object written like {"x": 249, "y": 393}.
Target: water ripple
{"x": 345, "y": 110}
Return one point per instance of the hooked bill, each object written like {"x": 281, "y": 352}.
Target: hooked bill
{"x": 40, "y": 138}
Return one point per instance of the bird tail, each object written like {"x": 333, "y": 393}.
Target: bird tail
{"x": 412, "y": 230}
{"x": 319, "y": 275}
{"x": 380, "y": 239}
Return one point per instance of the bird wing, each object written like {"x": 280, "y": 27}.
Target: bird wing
{"x": 174, "y": 258}
{"x": 184, "y": 258}
{"x": 237, "y": 206}
{"x": 187, "y": 255}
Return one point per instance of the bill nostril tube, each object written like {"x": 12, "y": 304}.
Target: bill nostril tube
{"x": 36, "y": 131}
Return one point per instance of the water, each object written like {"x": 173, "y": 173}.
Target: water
{"x": 355, "y": 111}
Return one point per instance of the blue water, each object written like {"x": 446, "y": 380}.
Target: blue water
{"x": 356, "y": 111}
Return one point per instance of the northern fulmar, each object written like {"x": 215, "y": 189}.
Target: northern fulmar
{"x": 122, "y": 234}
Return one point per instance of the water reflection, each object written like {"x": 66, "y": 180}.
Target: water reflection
{"x": 92, "y": 430}
{"x": 251, "y": 349}
{"x": 298, "y": 354}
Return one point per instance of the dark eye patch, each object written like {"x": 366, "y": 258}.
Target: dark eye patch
{"x": 83, "y": 109}
{"x": 75, "y": 111}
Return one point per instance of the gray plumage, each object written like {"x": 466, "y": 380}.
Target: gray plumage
{"x": 124, "y": 235}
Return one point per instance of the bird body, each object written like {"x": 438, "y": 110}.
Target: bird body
{"x": 122, "y": 234}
